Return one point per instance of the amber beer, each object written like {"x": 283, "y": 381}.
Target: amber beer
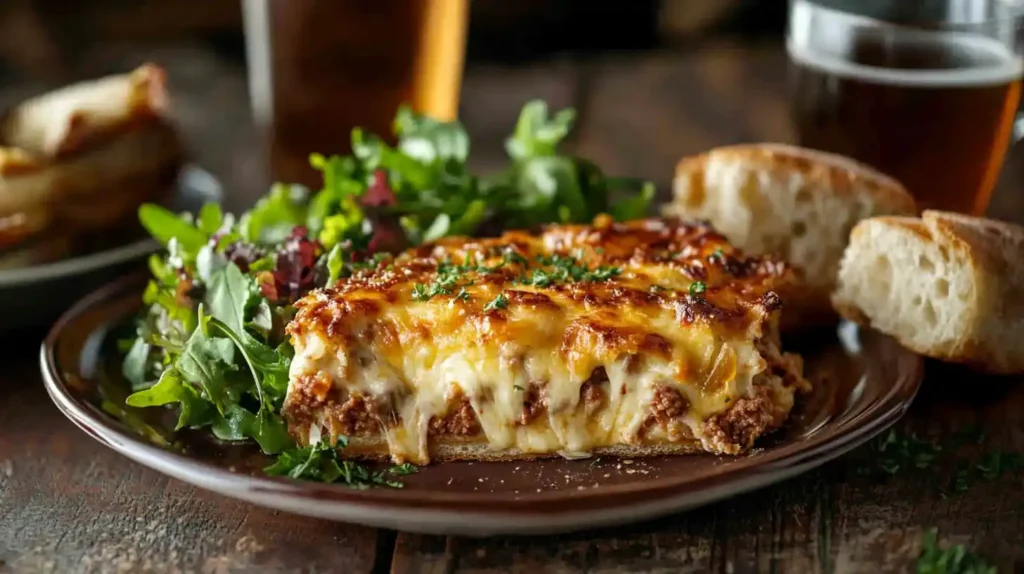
{"x": 933, "y": 109}
{"x": 318, "y": 68}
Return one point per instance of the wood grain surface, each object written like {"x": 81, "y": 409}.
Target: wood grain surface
{"x": 68, "y": 504}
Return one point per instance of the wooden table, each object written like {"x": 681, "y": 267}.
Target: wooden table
{"x": 69, "y": 504}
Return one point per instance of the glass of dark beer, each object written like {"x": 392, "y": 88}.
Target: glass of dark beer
{"x": 318, "y": 68}
{"x": 924, "y": 90}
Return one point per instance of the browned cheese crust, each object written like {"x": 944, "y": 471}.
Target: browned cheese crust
{"x": 662, "y": 317}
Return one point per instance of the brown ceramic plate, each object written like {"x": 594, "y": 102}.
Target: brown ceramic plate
{"x": 865, "y": 383}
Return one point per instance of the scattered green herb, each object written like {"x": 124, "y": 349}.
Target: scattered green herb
{"x": 404, "y": 469}
{"x": 499, "y": 302}
{"x": 991, "y": 466}
{"x": 518, "y": 388}
{"x": 954, "y": 559}
{"x": 320, "y": 462}
{"x": 894, "y": 451}
{"x": 564, "y": 269}
{"x": 697, "y": 287}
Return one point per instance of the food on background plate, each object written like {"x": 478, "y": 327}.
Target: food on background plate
{"x": 800, "y": 204}
{"x": 212, "y": 342}
{"x": 945, "y": 285}
{"x": 81, "y": 160}
{"x": 649, "y": 337}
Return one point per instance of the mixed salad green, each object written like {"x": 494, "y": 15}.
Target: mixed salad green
{"x": 211, "y": 342}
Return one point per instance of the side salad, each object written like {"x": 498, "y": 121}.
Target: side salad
{"x": 211, "y": 341}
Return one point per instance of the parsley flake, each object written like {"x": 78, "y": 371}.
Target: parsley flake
{"x": 954, "y": 559}
{"x": 404, "y": 469}
{"x": 420, "y": 293}
{"x": 511, "y": 256}
{"x": 499, "y": 302}
{"x": 697, "y": 287}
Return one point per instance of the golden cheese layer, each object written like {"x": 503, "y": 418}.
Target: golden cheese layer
{"x": 578, "y": 338}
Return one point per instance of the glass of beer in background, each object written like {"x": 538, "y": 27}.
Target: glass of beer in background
{"x": 924, "y": 90}
{"x": 318, "y": 68}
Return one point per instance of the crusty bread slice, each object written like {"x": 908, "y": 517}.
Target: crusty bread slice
{"x": 797, "y": 203}
{"x": 948, "y": 286}
{"x": 82, "y": 158}
{"x": 81, "y": 115}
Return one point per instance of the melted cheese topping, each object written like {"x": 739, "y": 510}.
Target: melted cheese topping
{"x": 651, "y": 305}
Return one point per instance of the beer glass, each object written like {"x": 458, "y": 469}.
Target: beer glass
{"x": 924, "y": 90}
{"x": 318, "y": 68}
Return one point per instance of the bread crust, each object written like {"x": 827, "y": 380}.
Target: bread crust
{"x": 988, "y": 254}
{"x": 789, "y": 201}
{"x": 840, "y": 175}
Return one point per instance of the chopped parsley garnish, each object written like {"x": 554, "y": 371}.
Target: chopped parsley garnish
{"x": 499, "y": 302}
{"x": 566, "y": 269}
{"x": 404, "y": 469}
{"x": 954, "y": 559}
{"x": 462, "y": 295}
{"x": 510, "y": 256}
{"x": 518, "y": 388}
{"x": 991, "y": 466}
{"x": 894, "y": 451}
{"x": 697, "y": 287}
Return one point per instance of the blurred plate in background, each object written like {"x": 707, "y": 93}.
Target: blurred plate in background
{"x": 37, "y": 294}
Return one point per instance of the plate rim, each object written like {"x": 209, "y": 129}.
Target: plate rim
{"x": 776, "y": 465}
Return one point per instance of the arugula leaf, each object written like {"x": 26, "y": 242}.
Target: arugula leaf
{"x": 194, "y": 410}
{"x": 343, "y": 182}
{"x": 317, "y": 462}
{"x": 552, "y": 182}
{"x": 635, "y": 206}
{"x": 428, "y": 140}
{"x": 274, "y": 216}
{"x": 321, "y": 462}
{"x": 205, "y": 362}
{"x": 165, "y": 226}
{"x": 267, "y": 429}
{"x": 135, "y": 367}
{"x": 535, "y": 134}
{"x": 208, "y": 262}
{"x": 438, "y": 229}
{"x": 210, "y": 218}
{"x": 262, "y": 319}
{"x": 230, "y": 294}
{"x": 335, "y": 264}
